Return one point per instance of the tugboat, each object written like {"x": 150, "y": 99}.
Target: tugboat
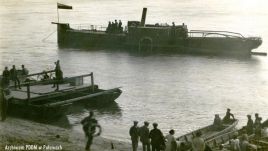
{"x": 143, "y": 37}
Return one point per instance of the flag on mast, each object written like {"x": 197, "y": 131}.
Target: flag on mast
{"x": 63, "y": 6}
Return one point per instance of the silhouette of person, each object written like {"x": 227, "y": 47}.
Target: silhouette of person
{"x": 14, "y": 76}
{"x": 134, "y": 133}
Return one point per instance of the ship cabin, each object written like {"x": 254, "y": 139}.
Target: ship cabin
{"x": 158, "y": 34}
{"x": 155, "y": 35}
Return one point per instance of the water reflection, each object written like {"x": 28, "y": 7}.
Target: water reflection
{"x": 100, "y": 109}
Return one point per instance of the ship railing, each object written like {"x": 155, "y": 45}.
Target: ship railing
{"x": 89, "y": 27}
{"x": 75, "y": 81}
{"x": 205, "y": 33}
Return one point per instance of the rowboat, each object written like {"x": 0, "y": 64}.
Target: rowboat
{"x": 224, "y": 139}
{"x": 39, "y": 99}
{"x": 208, "y": 133}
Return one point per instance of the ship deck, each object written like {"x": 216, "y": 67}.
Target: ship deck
{"x": 43, "y": 90}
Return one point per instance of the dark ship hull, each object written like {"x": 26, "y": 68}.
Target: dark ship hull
{"x": 150, "y": 38}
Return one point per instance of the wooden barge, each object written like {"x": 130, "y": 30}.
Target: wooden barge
{"x": 38, "y": 98}
{"x": 150, "y": 38}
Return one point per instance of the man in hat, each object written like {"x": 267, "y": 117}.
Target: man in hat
{"x": 227, "y": 118}
{"x": 144, "y": 136}
{"x": 250, "y": 125}
{"x": 134, "y": 133}
{"x": 157, "y": 138}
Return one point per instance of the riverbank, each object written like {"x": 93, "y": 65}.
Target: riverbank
{"x": 17, "y": 134}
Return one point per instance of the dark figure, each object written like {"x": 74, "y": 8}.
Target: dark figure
{"x": 157, "y": 138}
{"x": 58, "y": 74}
{"x": 120, "y": 26}
{"x": 6, "y": 78}
{"x": 45, "y": 76}
{"x": 115, "y": 26}
{"x": 108, "y": 30}
{"x": 227, "y": 118}
{"x": 134, "y": 133}
{"x": 256, "y": 119}
{"x": 14, "y": 76}
{"x": 182, "y": 147}
{"x": 24, "y": 71}
{"x": 112, "y": 27}
{"x": 217, "y": 124}
{"x": 86, "y": 121}
{"x": 144, "y": 136}
{"x": 90, "y": 125}
{"x": 258, "y": 127}
{"x": 250, "y": 125}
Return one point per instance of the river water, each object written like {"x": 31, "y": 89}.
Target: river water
{"x": 182, "y": 92}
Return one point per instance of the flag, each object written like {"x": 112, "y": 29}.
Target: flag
{"x": 63, "y": 6}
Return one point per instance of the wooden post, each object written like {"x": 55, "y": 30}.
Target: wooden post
{"x": 28, "y": 93}
{"x": 92, "y": 81}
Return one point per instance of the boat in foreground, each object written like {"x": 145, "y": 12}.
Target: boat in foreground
{"x": 208, "y": 133}
{"x": 223, "y": 141}
{"x": 142, "y": 37}
{"x": 40, "y": 99}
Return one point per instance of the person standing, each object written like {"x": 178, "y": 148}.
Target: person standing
{"x": 134, "y": 134}
{"x": 6, "y": 78}
{"x": 144, "y": 136}
{"x": 198, "y": 143}
{"x": 157, "y": 138}
{"x": 171, "y": 144}
{"x": 258, "y": 127}
{"x": 24, "y": 71}
{"x": 250, "y": 125}
{"x": 256, "y": 119}
{"x": 14, "y": 76}
{"x": 58, "y": 74}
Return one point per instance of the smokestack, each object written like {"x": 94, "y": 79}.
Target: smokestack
{"x": 143, "y": 17}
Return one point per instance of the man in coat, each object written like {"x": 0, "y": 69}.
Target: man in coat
{"x": 134, "y": 134}
{"x": 144, "y": 136}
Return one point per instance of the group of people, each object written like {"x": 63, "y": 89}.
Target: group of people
{"x": 114, "y": 27}
{"x": 17, "y": 75}
{"x": 254, "y": 127}
{"x": 218, "y": 122}
{"x": 13, "y": 75}
{"x": 150, "y": 138}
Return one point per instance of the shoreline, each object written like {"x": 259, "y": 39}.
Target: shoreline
{"x": 19, "y": 134}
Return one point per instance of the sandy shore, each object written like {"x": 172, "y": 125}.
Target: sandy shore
{"x": 18, "y": 133}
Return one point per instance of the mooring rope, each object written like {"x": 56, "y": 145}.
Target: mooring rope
{"x": 43, "y": 40}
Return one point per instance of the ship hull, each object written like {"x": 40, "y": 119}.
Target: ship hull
{"x": 144, "y": 43}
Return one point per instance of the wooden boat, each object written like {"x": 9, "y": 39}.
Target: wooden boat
{"x": 208, "y": 132}
{"x": 224, "y": 139}
{"x": 38, "y": 98}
